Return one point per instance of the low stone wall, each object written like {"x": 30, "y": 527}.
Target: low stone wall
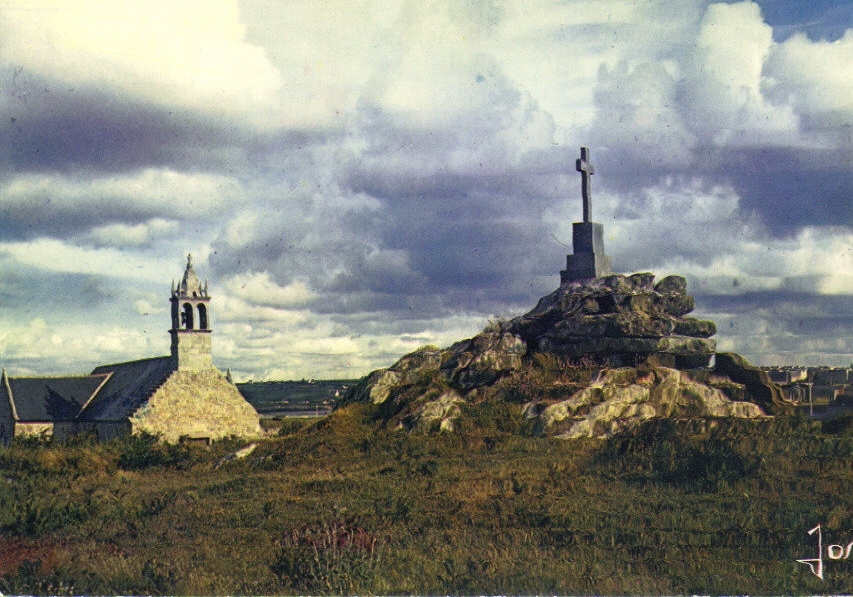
{"x": 31, "y": 429}
{"x": 197, "y": 405}
{"x": 105, "y": 430}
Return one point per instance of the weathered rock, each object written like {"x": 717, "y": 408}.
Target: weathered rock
{"x": 613, "y": 325}
{"x": 671, "y": 285}
{"x": 626, "y": 350}
{"x": 698, "y": 328}
{"x": 482, "y": 359}
{"x": 441, "y": 412}
{"x": 618, "y": 320}
{"x": 758, "y": 385}
{"x": 238, "y": 455}
{"x": 378, "y": 386}
{"x": 611, "y": 404}
{"x": 416, "y": 364}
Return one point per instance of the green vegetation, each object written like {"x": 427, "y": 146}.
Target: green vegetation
{"x": 342, "y": 505}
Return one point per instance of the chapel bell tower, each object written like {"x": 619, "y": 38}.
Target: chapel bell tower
{"x": 190, "y": 323}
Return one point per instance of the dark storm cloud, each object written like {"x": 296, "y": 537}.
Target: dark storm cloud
{"x": 48, "y": 126}
{"x": 39, "y": 215}
{"x": 469, "y": 223}
{"x": 38, "y": 297}
{"x": 436, "y": 180}
{"x": 792, "y": 188}
{"x": 792, "y": 306}
{"x": 757, "y": 118}
{"x": 786, "y": 188}
{"x": 129, "y": 207}
{"x": 74, "y": 159}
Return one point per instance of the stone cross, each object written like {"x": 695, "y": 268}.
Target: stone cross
{"x": 585, "y": 168}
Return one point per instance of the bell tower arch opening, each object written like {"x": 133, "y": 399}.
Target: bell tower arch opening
{"x": 190, "y": 331}
{"x": 187, "y": 317}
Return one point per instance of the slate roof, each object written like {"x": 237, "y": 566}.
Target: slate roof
{"x": 46, "y": 399}
{"x": 109, "y": 393}
{"x": 129, "y": 385}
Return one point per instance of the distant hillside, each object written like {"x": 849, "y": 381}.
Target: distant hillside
{"x": 293, "y": 398}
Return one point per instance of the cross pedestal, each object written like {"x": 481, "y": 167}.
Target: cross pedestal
{"x": 588, "y": 260}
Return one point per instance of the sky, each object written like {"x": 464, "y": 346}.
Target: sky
{"x": 357, "y": 179}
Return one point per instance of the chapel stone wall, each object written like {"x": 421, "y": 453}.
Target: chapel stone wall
{"x": 197, "y": 404}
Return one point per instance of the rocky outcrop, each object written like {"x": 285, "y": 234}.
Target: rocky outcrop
{"x": 483, "y": 359}
{"x": 466, "y": 365}
{"x": 646, "y": 358}
{"x": 757, "y": 382}
{"x": 438, "y": 414}
{"x": 624, "y": 398}
{"x": 619, "y": 320}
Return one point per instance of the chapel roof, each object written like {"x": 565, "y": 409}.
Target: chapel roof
{"x": 109, "y": 393}
{"x": 128, "y": 387}
{"x": 46, "y": 399}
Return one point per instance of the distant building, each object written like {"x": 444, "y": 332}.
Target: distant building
{"x": 830, "y": 376}
{"x": 787, "y": 375}
{"x": 180, "y": 396}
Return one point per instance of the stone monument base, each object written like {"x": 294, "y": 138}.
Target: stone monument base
{"x": 589, "y": 260}
{"x": 584, "y": 266}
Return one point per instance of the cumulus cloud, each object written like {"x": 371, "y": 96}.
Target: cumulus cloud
{"x": 639, "y": 109}
{"x": 814, "y": 78}
{"x": 50, "y": 255}
{"x": 724, "y": 75}
{"x": 321, "y": 344}
{"x": 145, "y": 307}
{"x": 189, "y": 55}
{"x": 123, "y": 235}
{"x": 231, "y": 309}
{"x": 719, "y": 246}
{"x": 259, "y": 289}
{"x": 37, "y": 347}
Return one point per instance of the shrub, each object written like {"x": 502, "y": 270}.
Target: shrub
{"x": 47, "y": 514}
{"x": 290, "y": 426}
{"x": 32, "y": 441}
{"x": 143, "y": 451}
{"x": 335, "y": 557}
{"x": 496, "y": 325}
{"x": 839, "y": 425}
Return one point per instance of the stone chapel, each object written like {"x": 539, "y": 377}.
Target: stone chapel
{"x": 177, "y": 397}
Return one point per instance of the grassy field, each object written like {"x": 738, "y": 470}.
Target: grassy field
{"x": 341, "y": 505}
